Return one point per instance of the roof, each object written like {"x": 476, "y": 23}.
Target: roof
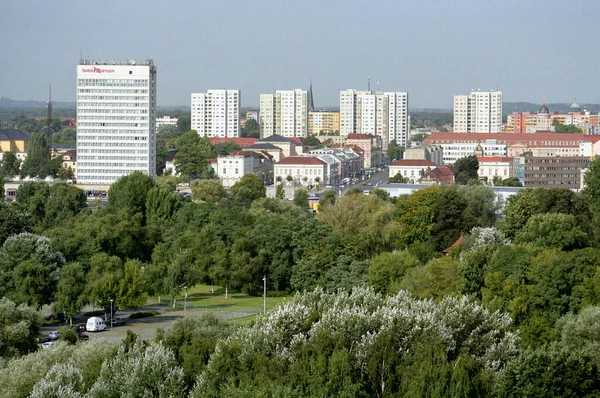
{"x": 439, "y": 174}
{"x": 13, "y": 135}
{"x": 413, "y": 162}
{"x": 452, "y": 246}
{"x": 302, "y": 160}
{"x": 211, "y": 160}
{"x": 539, "y": 139}
{"x": 243, "y": 142}
{"x": 494, "y": 159}
{"x": 263, "y": 147}
{"x": 358, "y": 136}
{"x": 297, "y": 140}
{"x": 275, "y": 138}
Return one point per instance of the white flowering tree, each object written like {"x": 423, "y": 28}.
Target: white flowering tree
{"x": 380, "y": 344}
{"x": 62, "y": 381}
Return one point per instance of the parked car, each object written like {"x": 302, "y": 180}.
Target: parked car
{"x": 80, "y": 328}
{"x": 82, "y": 336}
{"x": 117, "y": 322}
{"x": 95, "y": 324}
{"x": 53, "y": 335}
{"x": 48, "y": 344}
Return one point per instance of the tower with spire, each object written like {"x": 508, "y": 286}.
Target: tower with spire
{"x": 311, "y": 100}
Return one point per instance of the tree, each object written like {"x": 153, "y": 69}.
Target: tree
{"x": 71, "y": 286}
{"x": 19, "y": 329}
{"x": 289, "y": 178}
{"x": 558, "y": 127}
{"x": 211, "y": 191}
{"x": 466, "y": 169}
{"x": 65, "y": 136}
{"x": 387, "y": 269}
{"x": 64, "y": 201}
{"x": 130, "y": 192}
{"x": 29, "y": 269}
{"x": 38, "y": 157}
{"x": 435, "y": 280}
{"x": 192, "y": 152}
{"x": 226, "y": 148}
{"x": 279, "y": 191}
{"x": 591, "y": 181}
{"x": 398, "y": 179}
{"x": 394, "y": 151}
{"x": 312, "y": 141}
{"x": 249, "y": 188}
{"x": 12, "y": 221}
{"x": 61, "y": 380}
{"x": 251, "y": 129}
{"x": 508, "y": 182}
{"x": 556, "y": 230}
{"x": 301, "y": 198}
{"x": 327, "y": 198}
{"x": 10, "y": 165}
{"x": 184, "y": 122}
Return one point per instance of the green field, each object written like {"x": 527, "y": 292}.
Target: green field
{"x": 201, "y": 296}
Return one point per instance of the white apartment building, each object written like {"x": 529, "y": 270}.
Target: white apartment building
{"x": 452, "y": 151}
{"x": 413, "y": 169}
{"x": 216, "y": 113}
{"x": 495, "y": 166}
{"x": 284, "y": 113}
{"x": 300, "y": 168}
{"x": 116, "y": 119}
{"x": 382, "y": 114}
{"x": 166, "y": 121}
{"x": 478, "y": 112}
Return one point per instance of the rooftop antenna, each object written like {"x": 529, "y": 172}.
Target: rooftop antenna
{"x": 368, "y": 83}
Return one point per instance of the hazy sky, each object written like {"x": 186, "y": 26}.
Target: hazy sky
{"x": 433, "y": 49}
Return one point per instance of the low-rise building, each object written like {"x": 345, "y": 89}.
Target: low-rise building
{"x": 411, "y": 169}
{"x": 371, "y": 145}
{"x": 554, "y": 172}
{"x": 299, "y": 167}
{"x": 439, "y": 175}
{"x": 433, "y": 153}
{"x": 231, "y": 168}
{"x": 166, "y": 121}
{"x": 13, "y": 140}
{"x": 494, "y": 166}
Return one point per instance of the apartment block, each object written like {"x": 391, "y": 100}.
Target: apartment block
{"x": 216, "y": 113}
{"x": 478, "y": 112}
{"x": 323, "y": 123}
{"x": 284, "y": 113}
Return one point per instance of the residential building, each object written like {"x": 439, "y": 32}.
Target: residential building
{"x": 250, "y": 115}
{"x": 439, "y": 175}
{"x": 411, "y": 169}
{"x": 116, "y": 120}
{"x": 349, "y": 163}
{"x": 13, "y": 140}
{"x": 323, "y": 123}
{"x": 478, "y": 112}
{"x": 231, "y": 168}
{"x": 382, "y": 114}
{"x": 284, "y": 113}
{"x": 554, "y": 172}
{"x": 495, "y": 166}
{"x": 433, "y": 153}
{"x": 216, "y": 113}
{"x": 166, "y": 121}
{"x": 299, "y": 167}
{"x": 371, "y": 145}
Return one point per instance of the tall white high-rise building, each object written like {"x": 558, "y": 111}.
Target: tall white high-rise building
{"x": 382, "y": 114}
{"x": 216, "y": 113}
{"x": 116, "y": 119}
{"x": 478, "y": 112}
{"x": 284, "y": 113}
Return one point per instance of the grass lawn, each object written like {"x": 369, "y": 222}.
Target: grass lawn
{"x": 202, "y": 296}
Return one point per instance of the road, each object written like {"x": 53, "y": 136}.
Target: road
{"x": 381, "y": 177}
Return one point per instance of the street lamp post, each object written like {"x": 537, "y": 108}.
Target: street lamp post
{"x": 111, "y": 315}
{"x": 185, "y": 302}
{"x": 265, "y": 294}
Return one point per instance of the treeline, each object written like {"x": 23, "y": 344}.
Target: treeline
{"x": 515, "y": 303}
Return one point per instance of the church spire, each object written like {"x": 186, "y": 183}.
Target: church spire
{"x": 311, "y": 100}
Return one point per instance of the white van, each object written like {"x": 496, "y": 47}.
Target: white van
{"x": 95, "y": 324}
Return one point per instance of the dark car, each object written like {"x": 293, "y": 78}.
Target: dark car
{"x": 82, "y": 336}
{"x": 80, "y": 328}
{"x": 117, "y": 322}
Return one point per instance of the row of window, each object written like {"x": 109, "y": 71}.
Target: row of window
{"x": 113, "y": 91}
{"x": 554, "y": 175}
{"x": 120, "y": 158}
{"x": 569, "y": 182}
{"x": 121, "y": 173}
{"x": 113, "y": 97}
{"x": 113, "y": 82}
{"x": 553, "y": 167}
{"x": 286, "y": 172}
{"x": 103, "y": 124}
{"x": 82, "y": 166}
{"x": 98, "y": 117}
{"x": 138, "y": 151}
{"x": 109, "y": 138}
{"x": 109, "y": 111}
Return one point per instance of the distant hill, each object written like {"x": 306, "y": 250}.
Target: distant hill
{"x": 11, "y": 103}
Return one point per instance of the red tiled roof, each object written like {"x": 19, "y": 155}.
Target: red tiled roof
{"x": 358, "y": 136}
{"x": 243, "y": 142}
{"x": 413, "y": 162}
{"x": 211, "y": 160}
{"x": 300, "y": 160}
{"x": 446, "y": 170}
{"x": 540, "y": 139}
{"x": 452, "y": 246}
{"x": 297, "y": 140}
{"x": 494, "y": 159}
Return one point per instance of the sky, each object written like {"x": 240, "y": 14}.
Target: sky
{"x": 530, "y": 49}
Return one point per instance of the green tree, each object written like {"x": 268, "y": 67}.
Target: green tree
{"x": 69, "y": 290}
{"x": 184, "y": 122}
{"x": 11, "y": 165}
{"x": 226, "y": 148}
{"x": 19, "y": 329}
{"x": 211, "y": 191}
{"x": 12, "y": 221}
{"x": 130, "y": 192}
{"x": 558, "y": 127}
{"x": 398, "y": 179}
{"x": 38, "y": 157}
{"x": 312, "y": 141}
{"x": 192, "y": 152}
{"x": 161, "y": 205}
{"x": 435, "y": 280}
{"x": 591, "y": 180}
{"x": 65, "y": 136}
{"x": 387, "y": 269}
{"x": 301, "y": 198}
{"x": 466, "y": 169}
{"x": 251, "y": 129}
{"x": 64, "y": 201}
{"x": 508, "y": 182}
{"x": 395, "y": 151}
{"x": 556, "y": 230}
{"x": 279, "y": 191}
{"x": 327, "y": 198}
{"x": 249, "y": 188}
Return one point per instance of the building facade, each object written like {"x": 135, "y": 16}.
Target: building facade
{"x": 323, "y": 123}
{"x": 216, "y": 113}
{"x": 411, "y": 169}
{"x": 478, "y": 112}
{"x": 116, "y": 120}
{"x": 383, "y": 114}
{"x": 297, "y": 168}
{"x": 284, "y": 113}
{"x": 495, "y": 166}
{"x": 554, "y": 172}
{"x": 166, "y": 121}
